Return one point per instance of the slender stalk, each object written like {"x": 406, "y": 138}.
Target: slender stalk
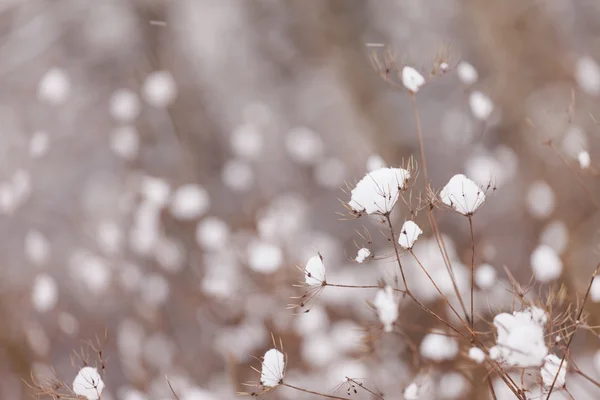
{"x": 360, "y": 287}
{"x": 472, "y": 272}
{"x": 491, "y": 385}
{"x": 393, "y": 233}
{"x": 329, "y": 396}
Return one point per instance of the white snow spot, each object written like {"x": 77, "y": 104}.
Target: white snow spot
{"x": 189, "y": 202}
{"x": 54, "y": 87}
{"x": 273, "y": 368}
{"x": 547, "y": 265}
{"x": 212, "y": 233}
{"x": 477, "y": 355}
{"x": 88, "y": 383}
{"x": 379, "y": 190}
{"x": 246, "y": 141}
{"x": 409, "y": 234}
{"x": 584, "y": 159}
{"x": 387, "y": 307}
{"x": 555, "y": 235}
{"x": 540, "y": 200}
{"x": 438, "y": 347}
{"x": 159, "y": 89}
{"x": 462, "y": 194}
{"x": 45, "y": 293}
{"x": 374, "y": 162}
{"x": 587, "y": 75}
{"x": 412, "y": 79}
{"x": 595, "y": 292}
{"x": 362, "y": 255}
{"x": 481, "y": 105}
{"x": 467, "y": 73}
{"x": 264, "y": 257}
{"x": 124, "y": 105}
{"x": 485, "y": 276}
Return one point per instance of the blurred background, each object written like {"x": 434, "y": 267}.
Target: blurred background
{"x": 165, "y": 165}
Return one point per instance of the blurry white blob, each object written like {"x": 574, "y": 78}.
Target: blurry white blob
{"x": 169, "y": 254}
{"x": 595, "y": 291}
{"x": 284, "y": 217}
{"x": 109, "y": 237}
{"x": 547, "y": 265}
{"x": 264, "y": 257}
{"x": 54, "y": 87}
{"x": 196, "y": 393}
{"x": 411, "y": 392}
{"x": 462, "y": 194}
{"x": 237, "y": 175}
{"x": 550, "y": 371}
{"x": 584, "y": 159}
{"x": 375, "y": 161}
{"x": 587, "y": 75}
{"x": 477, "y": 355}
{"x": 409, "y": 234}
{"x": 154, "y": 290}
{"x": 555, "y": 235}
{"x": 574, "y": 142}
{"x": 318, "y": 350}
{"x": 386, "y": 305}
{"x": 466, "y": 73}
{"x": 379, "y": 190}
{"x": 273, "y": 368}
{"x": 88, "y": 383}
{"x": 124, "y": 105}
{"x": 314, "y": 271}
{"x": 330, "y": 173}
{"x": 44, "y": 294}
{"x": 311, "y": 322}
{"x": 246, "y": 141}
{"x": 412, "y": 79}
{"x": 156, "y": 191}
{"x": 125, "y": 142}
{"x": 90, "y": 269}
{"x": 481, "y": 105}
{"x": 520, "y": 339}
{"x": 37, "y": 248}
{"x": 21, "y": 185}
{"x": 304, "y": 145}
{"x": 68, "y": 324}
{"x": 212, "y": 233}
{"x": 438, "y": 347}
{"x": 189, "y": 202}
{"x": 8, "y": 198}
{"x": 159, "y": 89}
{"x": 343, "y": 373}
{"x": 485, "y": 276}
{"x": 38, "y": 144}
{"x": 362, "y": 255}
{"x": 444, "y": 66}
{"x": 540, "y": 200}
{"x": 128, "y": 393}
{"x": 146, "y": 228}
{"x": 452, "y": 385}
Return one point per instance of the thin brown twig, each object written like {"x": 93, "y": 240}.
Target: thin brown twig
{"x": 329, "y": 396}
{"x": 472, "y": 272}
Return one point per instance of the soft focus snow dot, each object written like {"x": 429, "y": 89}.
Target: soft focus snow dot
{"x": 314, "y": 271}
{"x": 409, "y": 234}
{"x": 485, "y": 169}
{"x": 44, "y": 294}
{"x": 54, "y": 87}
{"x": 318, "y": 350}
{"x": 438, "y": 347}
{"x": 246, "y": 141}
{"x": 466, "y": 73}
{"x": 453, "y": 385}
{"x": 154, "y": 290}
{"x": 411, "y": 392}
{"x": 550, "y": 371}
{"x": 68, "y": 324}
{"x": 444, "y": 66}
{"x": 189, "y": 202}
{"x": 155, "y": 190}
{"x": 169, "y": 254}
{"x": 88, "y": 383}
{"x": 485, "y": 276}
{"x": 159, "y": 89}
{"x": 595, "y": 291}
{"x": 374, "y": 162}
{"x": 462, "y": 194}
{"x": 574, "y": 142}
{"x": 212, "y": 233}
{"x": 477, "y": 355}
{"x": 330, "y": 173}
{"x": 90, "y": 269}
{"x": 540, "y": 200}
{"x": 39, "y": 144}
{"x": 379, "y": 190}
{"x": 109, "y": 237}
{"x": 304, "y": 145}
{"x": 481, "y": 105}
{"x": 555, "y": 235}
{"x": 124, "y": 105}
{"x": 316, "y": 320}
{"x": 273, "y": 367}
{"x": 412, "y": 79}
{"x": 125, "y": 142}
{"x": 520, "y": 338}
{"x": 37, "y": 248}
{"x": 386, "y": 305}
{"x": 237, "y": 175}
{"x": 264, "y": 257}
{"x": 362, "y": 255}
{"x": 584, "y": 159}
{"x": 587, "y": 75}
{"x": 547, "y": 265}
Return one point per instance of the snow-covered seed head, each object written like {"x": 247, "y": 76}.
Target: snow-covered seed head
{"x": 409, "y": 234}
{"x": 552, "y": 369}
{"x": 273, "y": 369}
{"x": 463, "y": 195}
{"x": 378, "y": 191}
{"x": 88, "y": 383}
{"x": 412, "y": 79}
{"x": 315, "y": 271}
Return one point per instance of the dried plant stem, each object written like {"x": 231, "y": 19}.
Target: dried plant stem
{"x": 472, "y": 271}
{"x": 393, "y": 233}
{"x": 492, "y": 391}
{"x": 329, "y": 396}
{"x": 171, "y": 387}
{"x": 579, "y": 314}
{"x": 360, "y": 286}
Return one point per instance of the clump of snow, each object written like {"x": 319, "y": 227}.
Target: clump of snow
{"x": 54, "y": 87}
{"x": 477, "y": 355}
{"x": 550, "y": 371}
{"x": 124, "y": 105}
{"x": 379, "y": 190}
{"x": 547, "y": 265}
{"x": 189, "y": 202}
{"x": 520, "y": 338}
{"x": 273, "y": 368}
{"x": 587, "y": 75}
{"x": 314, "y": 271}
{"x": 362, "y": 255}
{"x": 462, "y": 194}
{"x": 467, "y": 73}
{"x": 540, "y": 199}
{"x": 409, "y": 234}
{"x": 159, "y": 89}
{"x": 88, "y": 383}
{"x": 438, "y": 347}
{"x": 412, "y": 79}
{"x": 387, "y": 307}
{"x": 481, "y": 105}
